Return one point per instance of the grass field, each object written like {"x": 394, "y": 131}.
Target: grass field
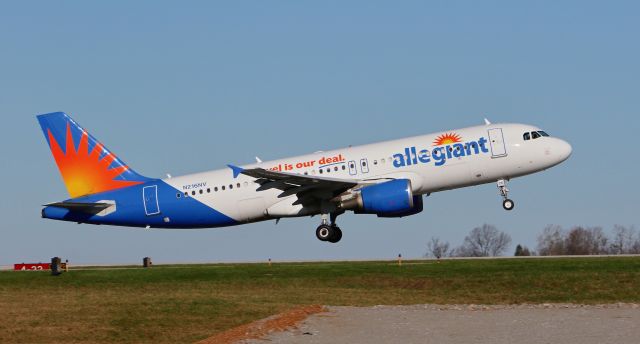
{"x": 182, "y": 304}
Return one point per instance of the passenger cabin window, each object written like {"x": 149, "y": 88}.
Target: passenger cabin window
{"x": 535, "y": 135}
{"x": 526, "y": 136}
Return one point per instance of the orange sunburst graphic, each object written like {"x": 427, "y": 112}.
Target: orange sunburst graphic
{"x": 446, "y": 139}
{"x": 84, "y": 172}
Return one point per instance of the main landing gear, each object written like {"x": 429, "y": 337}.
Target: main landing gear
{"x": 329, "y": 231}
{"x": 507, "y": 204}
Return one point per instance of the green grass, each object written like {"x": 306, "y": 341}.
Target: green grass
{"x": 182, "y": 304}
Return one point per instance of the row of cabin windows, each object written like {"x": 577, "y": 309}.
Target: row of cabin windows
{"x": 326, "y": 170}
{"x": 208, "y": 190}
{"x": 534, "y": 135}
{"x": 336, "y": 168}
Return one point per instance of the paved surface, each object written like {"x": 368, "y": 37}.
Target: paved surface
{"x": 617, "y": 323}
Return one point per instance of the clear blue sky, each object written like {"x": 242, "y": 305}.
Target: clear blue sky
{"x": 184, "y": 87}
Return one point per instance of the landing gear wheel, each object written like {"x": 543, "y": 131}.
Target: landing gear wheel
{"x": 324, "y": 232}
{"x": 337, "y": 234}
{"x": 508, "y": 204}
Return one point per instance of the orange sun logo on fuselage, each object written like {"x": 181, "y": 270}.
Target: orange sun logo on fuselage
{"x": 446, "y": 139}
{"x": 84, "y": 172}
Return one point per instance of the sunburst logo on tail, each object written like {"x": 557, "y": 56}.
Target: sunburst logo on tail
{"x": 446, "y": 139}
{"x": 85, "y": 172}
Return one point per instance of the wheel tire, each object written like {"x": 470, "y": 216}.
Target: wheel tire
{"x": 324, "y": 232}
{"x": 337, "y": 235}
{"x": 508, "y": 204}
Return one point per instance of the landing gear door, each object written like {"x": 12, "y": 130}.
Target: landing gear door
{"x": 150, "y": 198}
{"x": 496, "y": 140}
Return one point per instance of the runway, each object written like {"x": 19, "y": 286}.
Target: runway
{"x": 546, "y": 323}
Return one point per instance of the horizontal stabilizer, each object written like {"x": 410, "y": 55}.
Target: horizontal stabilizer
{"x": 89, "y": 208}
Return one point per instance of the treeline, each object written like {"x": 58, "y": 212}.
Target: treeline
{"x": 488, "y": 241}
{"x": 578, "y": 240}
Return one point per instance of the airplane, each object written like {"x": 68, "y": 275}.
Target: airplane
{"x": 386, "y": 179}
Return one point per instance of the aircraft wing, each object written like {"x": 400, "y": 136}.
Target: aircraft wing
{"x": 308, "y": 188}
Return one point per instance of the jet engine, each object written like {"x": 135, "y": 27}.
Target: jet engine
{"x": 389, "y": 199}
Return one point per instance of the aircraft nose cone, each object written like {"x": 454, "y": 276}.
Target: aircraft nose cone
{"x": 563, "y": 150}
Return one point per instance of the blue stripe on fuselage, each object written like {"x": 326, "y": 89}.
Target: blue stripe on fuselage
{"x": 183, "y": 212}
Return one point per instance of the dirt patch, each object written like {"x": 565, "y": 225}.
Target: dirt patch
{"x": 261, "y": 328}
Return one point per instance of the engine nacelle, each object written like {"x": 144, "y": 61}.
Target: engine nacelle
{"x": 389, "y": 199}
{"x": 417, "y": 208}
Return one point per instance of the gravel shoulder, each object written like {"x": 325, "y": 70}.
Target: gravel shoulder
{"x": 546, "y": 323}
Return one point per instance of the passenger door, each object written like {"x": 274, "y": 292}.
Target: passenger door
{"x": 496, "y": 141}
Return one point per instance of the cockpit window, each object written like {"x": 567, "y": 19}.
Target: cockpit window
{"x": 526, "y": 136}
{"x": 543, "y": 133}
{"x": 535, "y": 135}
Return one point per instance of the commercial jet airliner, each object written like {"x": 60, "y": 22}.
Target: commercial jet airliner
{"x": 387, "y": 179}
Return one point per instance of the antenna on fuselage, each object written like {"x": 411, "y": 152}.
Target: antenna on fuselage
{"x": 486, "y": 121}
{"x": 258, "y": 160}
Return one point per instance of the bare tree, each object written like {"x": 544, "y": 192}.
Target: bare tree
{"x": 635, "y": 248}
{"x": 484, "y": 241}
{"x": 577, "y": 241}
{"x": 551, "y": 241}
{"x": 437, "y": 248}
{"x": 599, "y": 241}
{"x": 585, "y": 241}
{"x": 624, "y": 240}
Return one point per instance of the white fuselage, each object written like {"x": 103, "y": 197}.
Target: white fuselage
{"x": 484, "y": 154}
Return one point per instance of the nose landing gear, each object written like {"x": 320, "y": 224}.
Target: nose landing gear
{"x": 507, "y": 204}
{"x": 329, "y": 232}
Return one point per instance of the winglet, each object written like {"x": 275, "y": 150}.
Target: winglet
{"x": 236, "y": 170}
